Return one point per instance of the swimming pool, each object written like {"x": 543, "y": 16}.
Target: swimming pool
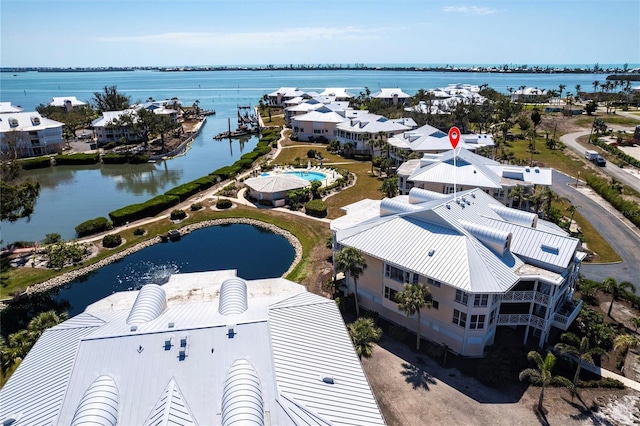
{"x": 310, "y": 176}
{"x": 303, "y": 174}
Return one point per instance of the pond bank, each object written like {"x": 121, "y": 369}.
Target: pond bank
{"x": 70, "y": 276}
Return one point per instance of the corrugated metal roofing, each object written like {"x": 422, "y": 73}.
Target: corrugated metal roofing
{"x": 42, "y": 377}
{"x": 149, "y": 304}
{"x": 242, "y": 402}
{"x": 276, "y": 183}
{"x": 233, "y": 297}
{"x": 99, "y": 404}
{"x": 302, "y": 363}
{"x": 171, "y": 408}
{"x": 190, "y": 343}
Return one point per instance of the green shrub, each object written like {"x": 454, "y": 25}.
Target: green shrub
{"x": 605, "y": 382}
{"x": 115, "y": 158}
{"x": 35, "y": 163}
{"x": 195, "y": 207}
{"x": 75, "y": 159}
{"x": 178, "y": 214}
{"x": 223, "y": 204}
{"x": 316, "y": 208}
{"x": 93, "y": 226}
{"x": 139, "y": 231}
{"x": 52, "y": 239}
{"x": 111, "y": 240}
{"x": 147, "y": 209}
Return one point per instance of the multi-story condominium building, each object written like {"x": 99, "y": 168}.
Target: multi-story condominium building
{"x": 489, "y": 268}
{"x": 28, "y": 134}
{"x": 446, "y": 173}
{"x": 206, "y": 348}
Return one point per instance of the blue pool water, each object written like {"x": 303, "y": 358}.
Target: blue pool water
{"x": 310, "y": 176}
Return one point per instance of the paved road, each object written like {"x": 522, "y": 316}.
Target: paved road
{"x": 629, "y": 177}
{"x": 623, "y": 236}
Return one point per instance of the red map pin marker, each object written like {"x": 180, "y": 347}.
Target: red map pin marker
{"x": 454, "y": 136}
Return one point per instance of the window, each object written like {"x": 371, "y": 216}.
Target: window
{"x": 459, "y": 318}
{"x": 390, "y": 293}
{"x": 480, "y": 300}
{"x": 317, "y": 130}
{"x": 447, "y": 189}
{"x": 435, "y": 304}
{"x": 498, "y": 193}
{"x": 394, "y": 273}
{"x": 433, "y": 282}
{"x": 462, "y": 297}
{"x": 477, "y": 322}
{"x": 492, "y": 316}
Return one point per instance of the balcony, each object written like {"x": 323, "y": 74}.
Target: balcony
{"x": 566, "y": 314}
{"x": 525, "y": 296}
{"x": 521, "y": 319}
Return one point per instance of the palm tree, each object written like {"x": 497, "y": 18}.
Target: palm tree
{"x": 549, "y": 198}
{"x": 389, "y": 187}
{"x": 364, "y": 335}
{"x": 542, "y": 373}
{"x": 571, "y": 209}
{"x": 45, "y": 320}
{"x": 635, "y": 322}
{"x": 574, "y": 348}
{"x": 562, "y": 87}
{"x": 617, "y": 291}
{"x": 578, "y": 88}
{"x": 411, "y": 300}
{"x": 351, "y": 260}
{"x": 516, "y": 193}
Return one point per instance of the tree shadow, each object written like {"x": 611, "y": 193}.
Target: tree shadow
{"x": 417, "y": 377}
{"x": 586, "y": 412}
{"x": 541, "y": 416}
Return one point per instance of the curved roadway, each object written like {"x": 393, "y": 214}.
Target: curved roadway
{"x": 621, "y": 234}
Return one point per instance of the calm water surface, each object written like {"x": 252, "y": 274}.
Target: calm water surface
{"x": 253, "y": 251}
{"x": 71, "y": 195}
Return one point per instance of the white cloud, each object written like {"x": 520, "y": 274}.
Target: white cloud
{"x": 475, "y": 10}
{"x": 313, "y": 34}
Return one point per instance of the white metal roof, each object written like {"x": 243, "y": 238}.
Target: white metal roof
{"x": 62, "y": 101}
{"x": 172, "y": 369}
{"x": 6, "y": 107}
{"x": 322, "y": 115}
{"x": 459, "y": 242}
{"x": 390, "y": 93}
{"x": 372, "y": 124}
{"x": 26, "y": 121}
{"x": 337, "y": 92}
{"x": 276, "y": 183}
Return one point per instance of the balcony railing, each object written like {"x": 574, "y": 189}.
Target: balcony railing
{"x": 521, "y": 319}
{"x": 567, "y": 313}
{"x": 525, "y": 296}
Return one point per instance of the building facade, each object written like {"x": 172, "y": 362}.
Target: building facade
{"x": 490, "y": 269}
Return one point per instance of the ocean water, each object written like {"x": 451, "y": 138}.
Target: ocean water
{"x": 72, "y": 195}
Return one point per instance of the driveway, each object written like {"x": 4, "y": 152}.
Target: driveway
{"x": 619, "y": 232}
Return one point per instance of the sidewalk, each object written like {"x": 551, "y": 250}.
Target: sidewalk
{"x": 632, "y": 384}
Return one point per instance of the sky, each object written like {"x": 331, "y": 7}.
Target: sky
{"x": 97, "y": 33}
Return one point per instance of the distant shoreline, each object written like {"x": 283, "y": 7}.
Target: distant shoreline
{"x": 506, "y": 69}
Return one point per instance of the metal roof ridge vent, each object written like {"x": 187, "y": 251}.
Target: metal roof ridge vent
{"x": 99, "y": 404}
{"x": 233, "y": 296}
{"x": 149, "y": 304}
{"x": 242, "y": 401}
{"x": 418, "y": 195}
{"x": 496, "y": 240}
{"x": 549, "y": 248}
{"x": 519, "y": 217}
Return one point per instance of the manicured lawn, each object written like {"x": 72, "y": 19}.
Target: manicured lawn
{"x": 545, "y": 157}
{"x": 609, "y": 119}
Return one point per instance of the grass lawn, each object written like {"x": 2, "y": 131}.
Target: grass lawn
{"x": 590, "y": 235}
{"x": 609, "y": 119}
{"x": 545, "y": 157}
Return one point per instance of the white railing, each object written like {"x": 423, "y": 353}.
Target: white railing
{"x": 563, "y": 320}
{"x": 526, "y": 296}
{"x": 521, "y": 319}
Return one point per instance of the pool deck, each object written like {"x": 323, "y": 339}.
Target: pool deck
{"x": 330, "y": 174}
